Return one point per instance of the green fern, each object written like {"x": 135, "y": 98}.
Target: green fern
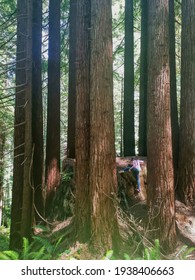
{"x": 146, "y": 254}
{"x": 50, "y": 249}
{"x": 9, "y": 255}
{"x": 126, "y": 256}
{"x": 44, "y": 242}
{"x": 153, "y": 253}
{"x": 26, "y": 247}
{"x": 185, "y": 252}
{"x": 39, "y": 255}
{"x": 108, "y": 256}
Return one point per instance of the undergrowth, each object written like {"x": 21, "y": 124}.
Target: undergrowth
{"x": 42, "y": 249}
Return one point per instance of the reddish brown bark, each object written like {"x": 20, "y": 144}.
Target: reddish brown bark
{"x": 37, "y": 111}
{"x": 161, "y": 212}
{"x": 53, "y": 110}
{"x": 82, "y": 121}
{"x": 72, "y": 78}
{"x": 95, "y": 148}
{"x": 21, "y": 212}
{"x": 102, "y": 145}
{"x": 186, "y": 181}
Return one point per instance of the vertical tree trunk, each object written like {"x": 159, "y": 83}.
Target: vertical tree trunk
{"x": 102, "y": 144}
{"x": 21, "y": 212}
{"x": 95, "y": 214}
{"x": 82, "y": 120}
{"x": 2, "y": 147}
{"x": 173, "y": 90}
{"x": 72, "y": 79}
{"x": 27, "y": 206}
{"x": 186, "y": 181}
{"x": 128, "y": 123}
{"x": 37, "y": 110}
{"x": 143, "y": 81}
{"x": 53, "y": 110}
{"x": 161, "y": 212}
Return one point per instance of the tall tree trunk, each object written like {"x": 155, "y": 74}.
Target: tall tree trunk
{"x": 95, "y": 214}
{"x": 82, "y": 120}
{"x": 173, "y": 90}
{"x": 186, "y": 181}
{"x": 2, "y": 148}
{"x": 37, "y": 111}
{"x": 102, "y": 143}
{"x": 128, "y": 123}
{"x": 161, "y": 212}
{"x": 143, "y": 81}
{"x": 21, "y": 212}
{"x": 53, "y": 110}
{"x": 72, "y": 79}
{"x": 27, "y": 206}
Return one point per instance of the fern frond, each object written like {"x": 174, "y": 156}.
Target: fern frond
{"x": 9, "y": 255}
{"x": 45, "y": 243}
{"x": 25, "y": 249}
{"x": 40, "y": 255}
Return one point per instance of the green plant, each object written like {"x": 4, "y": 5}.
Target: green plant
{"x": 52, "y": 250}
{"x": 109, "y": 255}
{"x": 185, "y": 252}
{"x": 40, "y": 249}
{"x": 4, "y": 238}
{"x": 152, "y": 253}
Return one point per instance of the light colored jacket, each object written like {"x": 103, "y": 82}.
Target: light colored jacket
{"x": 136, "y": 164}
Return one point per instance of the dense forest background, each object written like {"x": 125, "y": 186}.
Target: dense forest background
{"x": 84, "y": 86}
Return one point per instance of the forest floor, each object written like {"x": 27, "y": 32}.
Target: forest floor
{"x": 185, "y": 215}
{"x": 132, "y": 220}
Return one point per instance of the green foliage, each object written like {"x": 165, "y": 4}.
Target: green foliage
{"x": 4, "y": 238}
{"x": 52, "y": 250}
{"x": 109, "y": 255}
{"x": 185, "y": 252}
{"x": 9, "y": 255}
{"x": 39, "y": 249}
{"x": 152, "y": 253}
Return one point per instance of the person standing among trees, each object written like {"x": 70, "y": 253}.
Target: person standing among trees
{"x": 135, "y": 167}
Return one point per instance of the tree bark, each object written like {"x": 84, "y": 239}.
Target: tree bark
{"x": 37, "y": 111}
{"x": 53, "y": 109}
{"x": 72, "y": 78}
{"x": 95, "y": 146}
{"x": 186, "y": 181}
{"x": 2, "y": 148}
{"x": 128, "y": 122}
{"x": 103, "y": 179}
{"x": 161, "y": 209}
{"x": 143, "y": 81}
{"x": 21, "y": 212}
{"x": 173, "y": 90}
{"x": 82, "y": 210}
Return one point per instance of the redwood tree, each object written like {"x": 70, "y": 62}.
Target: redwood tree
{"x": 21, "y": 212}
{"x": 53, "y": 107}
{"x": 72, "y": 78}
{"x": 2, "y": 149}
{"x": 143, "y": 81}
{"x": 82, "y": 209}
{"x": 102, "y": 143}
{"x": 161, "y": 209}
{"x": 173, "y": 89}
{"x": 95, "y": 150}
{"x": 128, "y": 116}
{"x": 37, "y": 110}
{"x": 186, "y": 181}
